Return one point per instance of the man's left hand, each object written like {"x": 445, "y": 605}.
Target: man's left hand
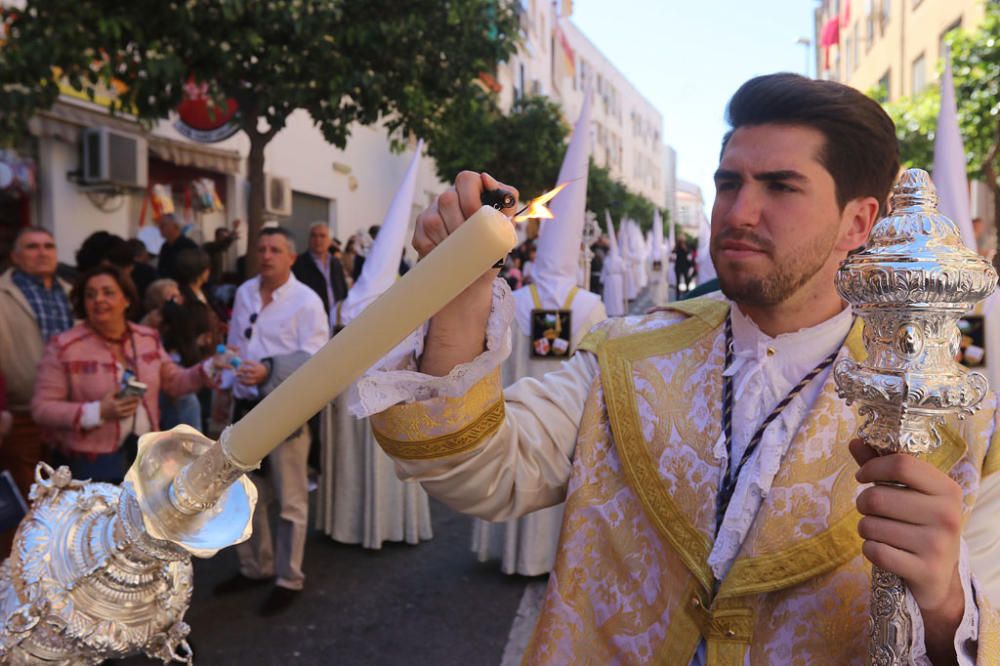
{"x": 915, "y": 532}
{"x": 252, "y": 373}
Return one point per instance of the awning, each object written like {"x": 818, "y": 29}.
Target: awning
{"x": 65, "y": 120}
{"x": 195, "y": 155}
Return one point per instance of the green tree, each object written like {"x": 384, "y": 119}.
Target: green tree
{"x": 343, "y": 61}
{"x": 606, "y": 193}
{"x": 916, "y": 124}
{"x": 524, "y": 148}
{"x": 976, "y": 69}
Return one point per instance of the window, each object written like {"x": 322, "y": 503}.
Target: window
{"x": 884, "y": 16}
{"x": 918, "y": 78}
{"x": 885, "y": 87}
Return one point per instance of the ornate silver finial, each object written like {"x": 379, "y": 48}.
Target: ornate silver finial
{"x": 915, "y": 190}
{"x": 911, "y": 285}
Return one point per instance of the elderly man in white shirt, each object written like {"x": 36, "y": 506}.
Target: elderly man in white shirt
{"x": 277, "y": 324}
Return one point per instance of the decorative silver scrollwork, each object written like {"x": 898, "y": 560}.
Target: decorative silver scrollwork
{"x": 911, "y": 285}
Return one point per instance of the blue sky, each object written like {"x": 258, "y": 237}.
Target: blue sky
{"x": 689, "y": 57}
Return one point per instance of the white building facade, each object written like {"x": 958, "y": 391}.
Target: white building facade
{"x": 690, "y": 208}
{"x": 558, "y": 61}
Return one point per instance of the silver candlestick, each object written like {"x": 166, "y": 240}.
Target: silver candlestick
{"x": 100, "y": 571}
{"x": 911, "y": 285}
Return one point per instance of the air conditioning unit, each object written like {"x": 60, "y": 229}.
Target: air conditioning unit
{"x": 277, "y": 196}
{"x": 113, "y": 158}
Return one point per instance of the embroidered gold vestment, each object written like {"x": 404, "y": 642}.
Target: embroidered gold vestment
{"x": 631, "y": 584}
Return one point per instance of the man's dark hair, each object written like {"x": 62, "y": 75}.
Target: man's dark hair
{"x": 860, "y": 150}
{"x": 76, "y": 296}
{"x": 280, "y": 231}
{"x": 102, "y": 247}
{"x": 138, "y": 248}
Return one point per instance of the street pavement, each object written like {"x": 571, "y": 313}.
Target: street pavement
{"x": 430, "y": 604}
{"x": 427, "y": 604}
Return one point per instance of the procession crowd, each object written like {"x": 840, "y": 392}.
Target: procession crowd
{"x": 126, "y": 342}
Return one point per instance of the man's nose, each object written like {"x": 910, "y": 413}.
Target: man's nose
{"x": 746, "y": 207}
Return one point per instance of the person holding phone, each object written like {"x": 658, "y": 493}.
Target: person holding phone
{"x": 98, "y": 382}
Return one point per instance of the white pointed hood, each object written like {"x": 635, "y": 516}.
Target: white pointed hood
{"x": 949, "y": 161}
{"x": 613, "y": 274}
{"x": 557, "y": 257}
{"x": 656, "y": 252}
{"x": 612, "y": 236}
{"x": 706, "y": 269}
{"x": 559, "y": 238}
{"x": 381, "y": 266}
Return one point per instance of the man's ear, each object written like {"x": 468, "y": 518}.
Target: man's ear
{"x": 857, "y": 220}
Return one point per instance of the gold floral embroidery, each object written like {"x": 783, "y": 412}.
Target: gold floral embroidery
{"x": 439, "y": 417}
{"x": 647, "y": 430}
{"x": 446, "y": 445}
{"x": 640, "y": 468}
{"x": 800, "y": 561}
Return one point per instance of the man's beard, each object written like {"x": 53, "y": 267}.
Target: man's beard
{"x": 785, "y": 280}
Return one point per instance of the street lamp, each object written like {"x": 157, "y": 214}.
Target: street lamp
{"x": 807, "y": 43}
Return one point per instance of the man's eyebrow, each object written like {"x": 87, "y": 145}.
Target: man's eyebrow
{"x": 763, "y": 176}
{"x": 781, "y": 174}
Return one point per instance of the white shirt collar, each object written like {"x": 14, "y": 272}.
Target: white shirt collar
{"x": 815, "y": 341}
{"x": 280, "y": 291}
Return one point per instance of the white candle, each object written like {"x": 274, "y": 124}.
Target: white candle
{"x": 413, "y": 299}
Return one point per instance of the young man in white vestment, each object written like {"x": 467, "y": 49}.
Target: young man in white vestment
{"x": 685, "y": 541}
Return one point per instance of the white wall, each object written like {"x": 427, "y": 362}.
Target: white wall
{"x": 65, "y": 208}
{"x": 299, "y": 152}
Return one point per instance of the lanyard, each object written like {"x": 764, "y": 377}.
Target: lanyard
{"x": 729, "y": 480}
{"x": 538, "y": 301}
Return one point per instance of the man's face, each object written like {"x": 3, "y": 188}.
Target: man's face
{"x": 169, "y": 228}
{"x": 35, "y": 254}
{"x": 274, "y": 257}
{"x": 776, "y": 222}
{"x": 319, "y": 240}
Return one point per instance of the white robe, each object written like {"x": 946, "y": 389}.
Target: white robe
{"x": 361, "y": 499}
{"x": 527, "y": 545}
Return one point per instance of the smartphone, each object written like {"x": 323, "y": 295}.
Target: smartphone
{"x": 132, "y": 387}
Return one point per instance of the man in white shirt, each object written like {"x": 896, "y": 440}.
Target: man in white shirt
{"x": 708, "y": 520}
{"x": 277, "y": 324}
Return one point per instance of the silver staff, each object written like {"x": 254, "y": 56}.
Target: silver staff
{"x": 591, "y": 234}
{"x": 911, "y": 285}
{"x": 100, "y": 571}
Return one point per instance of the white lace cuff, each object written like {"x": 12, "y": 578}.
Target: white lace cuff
{"x": 90, "y": 415}
{"x": 395, "y": 378}
{"x": 967, "y": 634}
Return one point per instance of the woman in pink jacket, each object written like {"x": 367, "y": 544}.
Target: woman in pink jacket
{"x": 89, "y": 391}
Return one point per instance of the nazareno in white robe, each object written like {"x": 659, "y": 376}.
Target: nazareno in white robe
{"x": 527, "y": 545}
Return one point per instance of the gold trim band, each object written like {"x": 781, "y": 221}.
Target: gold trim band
{"x": 447, "y": 445}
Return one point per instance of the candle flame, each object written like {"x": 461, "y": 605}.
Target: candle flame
{"x": 537, "y": 208}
